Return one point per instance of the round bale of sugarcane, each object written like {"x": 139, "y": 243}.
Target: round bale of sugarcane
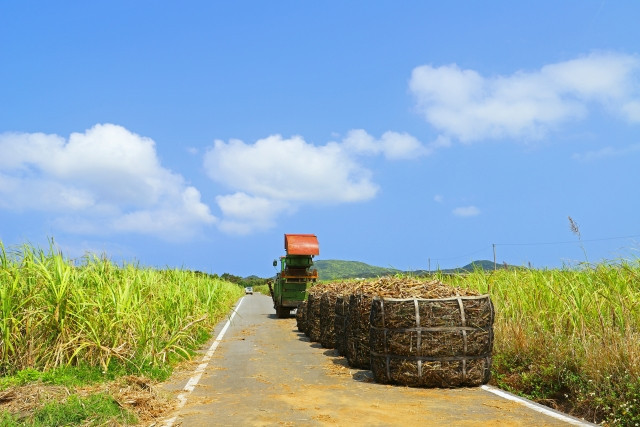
{"x": 300, "y": 317}
{"x": 340, "y": 321}
{"x": 357, "y": 331}
{"x": 443, "y": 342}
{"x": 308, "y": 313}
{"x": 327, "y": 320}
{"x": 313, "y": 316}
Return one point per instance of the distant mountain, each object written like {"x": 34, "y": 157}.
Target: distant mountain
{"x": 481, "y": 265}
{"x": 332, "y": 269}
{"x": 335, "y": 269}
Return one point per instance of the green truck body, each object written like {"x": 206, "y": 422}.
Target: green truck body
{"x": 289, "y": 287}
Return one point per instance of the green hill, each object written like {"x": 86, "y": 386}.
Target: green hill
{"x": 332, "y": 269}
{"x": 480, "y": 265}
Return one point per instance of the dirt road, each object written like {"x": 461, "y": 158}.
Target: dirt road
{"x": 264, "y": 372}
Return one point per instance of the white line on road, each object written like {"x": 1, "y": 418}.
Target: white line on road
{"x": 535, "y": 406}
{"x": 197, "y": 373}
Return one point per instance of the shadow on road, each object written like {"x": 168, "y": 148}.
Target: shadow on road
{"x": 301, "y": 336}
{"x": 332, "y": 352}
{"x": 362, "y": 375}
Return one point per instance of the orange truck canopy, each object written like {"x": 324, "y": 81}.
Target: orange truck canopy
{"x": 301, "y": 244}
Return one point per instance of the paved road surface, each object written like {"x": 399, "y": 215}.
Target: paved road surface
{"x": 266, "y": 373}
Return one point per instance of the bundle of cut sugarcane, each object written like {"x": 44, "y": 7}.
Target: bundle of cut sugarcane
{"x": 311, "y": 312}
{"x": 357, "y": 322}
{"x": 301, "y": 318}
{"x": 341, "y": 308}
{"x": 313, "y": 315}
{"x": 409, "y": 287}
{"x": 357, "y": 331}
{"x": 439, "y": 341}
{"x": 327, "y": 321}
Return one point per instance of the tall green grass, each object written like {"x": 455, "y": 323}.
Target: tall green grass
{"x": 94, "y": 410}
{"x": 55, "y": 312}
{"x": 568, "y": 338}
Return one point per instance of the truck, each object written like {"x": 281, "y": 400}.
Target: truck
{"x": 289, "y": 287}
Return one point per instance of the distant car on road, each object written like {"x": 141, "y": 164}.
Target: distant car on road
{"x": 248, "y": 290}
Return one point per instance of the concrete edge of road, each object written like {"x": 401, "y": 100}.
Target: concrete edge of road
{"x": 537, "y": 407}
{"x": 197, "y": 374}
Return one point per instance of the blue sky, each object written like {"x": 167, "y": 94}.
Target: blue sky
{"x": 403, "y": 134}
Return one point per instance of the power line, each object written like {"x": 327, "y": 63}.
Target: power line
{"x": 568, "y": 241}
{"x": 575, "y": 242}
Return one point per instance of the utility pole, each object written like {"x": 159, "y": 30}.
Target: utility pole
{"x": 494, "y": 257}
{"x": 429, "y": 265}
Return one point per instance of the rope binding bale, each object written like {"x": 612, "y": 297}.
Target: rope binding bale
{"x": 444, "y": 342}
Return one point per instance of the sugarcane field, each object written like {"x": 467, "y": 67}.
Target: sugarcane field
{"x": 125, "y": 345}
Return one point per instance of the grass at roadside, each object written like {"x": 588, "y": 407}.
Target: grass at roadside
{"x": 568, "y": 338}
{"x": 262, "y": 289}
{"x": 96, "y": 409}
{"x": 72, "y": 323}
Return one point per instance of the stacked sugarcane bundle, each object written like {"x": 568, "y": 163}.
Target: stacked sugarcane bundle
{"x": 437, "y": 337}
{"x": 357, "y": 323}
{"x": 357, "y": 331}
{"x": 340, "y": 322}
{"x": 301, "y": 317}
{"x": 327, "y": 321}
{"x": 407, "y": 331}
{"x": 313, "y": 314}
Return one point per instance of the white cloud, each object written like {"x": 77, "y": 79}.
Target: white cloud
{"x": 106, "y": 179}
{"x": 178, "y": 214}
{"x": 438, "y": 198}
{"x": 392, "y": 145}
{"x": 440, "y": 142}
{"x": 243, "y": 213}
{"x": 466, "y": 211}
{"x": 599, "y": 75}
{"x": 276, "y": 175}
{"x": 289, "y": 169}
{"x": 470, "y": 107}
